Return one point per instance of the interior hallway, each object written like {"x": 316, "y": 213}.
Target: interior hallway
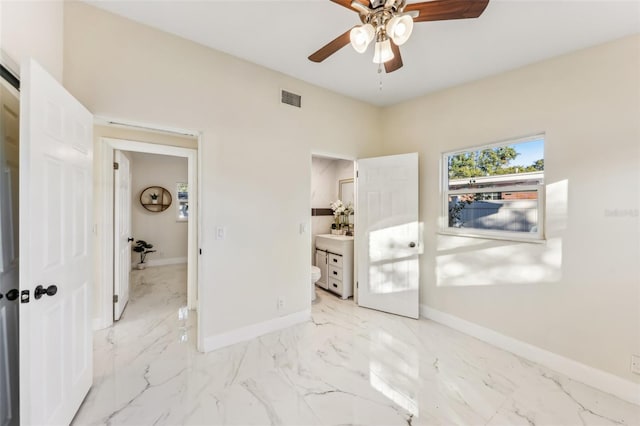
{"x": 347, "y": 366}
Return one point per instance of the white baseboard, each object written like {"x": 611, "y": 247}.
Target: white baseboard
{"x": 255, "y": 330}
{"x": 163, "y": 262}
{"x": 98, "y": 324}
{"x": 575, "y": 370}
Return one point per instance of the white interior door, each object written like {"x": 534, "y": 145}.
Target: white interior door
{"x": 122, "y": 233}
{"x": 56, "y": 151}
{"x": 9, "y": 130}
{"x": 387, "y": 234}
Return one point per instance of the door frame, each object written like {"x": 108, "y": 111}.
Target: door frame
{"x": 354, "y": 159}
{"x": 104, "y": 174}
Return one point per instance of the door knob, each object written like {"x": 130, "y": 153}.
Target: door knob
{"x": 41, "y": 291}
{"x": 13, "y": 294}
{"x": 412, "y": 244}
{"x": 129, "y": 239}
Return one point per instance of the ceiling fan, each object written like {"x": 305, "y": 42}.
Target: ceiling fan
{"x": 390, "y": 22}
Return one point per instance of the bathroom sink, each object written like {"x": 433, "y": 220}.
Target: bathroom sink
{"x": 334, "y": 243}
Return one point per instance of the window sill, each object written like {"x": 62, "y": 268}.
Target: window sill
{"x": 515, "y": 239}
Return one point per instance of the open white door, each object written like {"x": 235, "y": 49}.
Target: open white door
{"x": 122, "y": 233}
{"x": 9, "y": 128}
{"x": 387, "y": 234}
{"x": 56, "y": 151}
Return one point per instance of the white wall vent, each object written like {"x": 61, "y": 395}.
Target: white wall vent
{"x": 291, "y": 99}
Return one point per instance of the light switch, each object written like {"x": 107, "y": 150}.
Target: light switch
{"x": 303, "y": 227}
{"x": 220, "y": 233}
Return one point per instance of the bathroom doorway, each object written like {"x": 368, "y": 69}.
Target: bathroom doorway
{"x": 333, "y": 227}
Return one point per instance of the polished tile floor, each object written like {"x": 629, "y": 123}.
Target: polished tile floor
{"x": 347, "y": 366}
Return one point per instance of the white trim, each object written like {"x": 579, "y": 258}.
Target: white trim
{"x": 144, "y": 127}
{"x": 105, "y": 170}
{"x": 575, "y": 370}
{"x": 255, "y": 330}
{"x": 163, "y": 262}
{"x": 98, "y": 324}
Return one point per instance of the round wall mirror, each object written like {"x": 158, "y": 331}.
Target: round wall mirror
{"x": 155, "y": 199}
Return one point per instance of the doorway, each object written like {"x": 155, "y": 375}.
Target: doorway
{"x": 151, "y": 214}
{"x": 382, "y": 260}
{"x": 332, "y": 226}
{"x": 108, "y": 146}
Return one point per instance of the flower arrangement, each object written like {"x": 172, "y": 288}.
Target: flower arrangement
{"x": 341, "y": 213}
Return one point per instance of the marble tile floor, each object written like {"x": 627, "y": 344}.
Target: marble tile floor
{"x": 348, "y": 365}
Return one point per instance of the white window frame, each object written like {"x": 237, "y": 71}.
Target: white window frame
{"x": 538, "y": 236}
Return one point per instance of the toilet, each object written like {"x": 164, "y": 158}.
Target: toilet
{"x": 315, "y": 276}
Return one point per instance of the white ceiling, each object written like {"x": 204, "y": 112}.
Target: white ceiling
{"x": 281, "y": 35}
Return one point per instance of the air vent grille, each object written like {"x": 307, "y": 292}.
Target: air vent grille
{"x": 291, "y": 99}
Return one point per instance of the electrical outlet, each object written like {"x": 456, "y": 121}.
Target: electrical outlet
{"x": 280, "y": 303}
{"x": 635, "y": 364}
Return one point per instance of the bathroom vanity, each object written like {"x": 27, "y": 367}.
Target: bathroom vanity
{"x": 334, "y": 257}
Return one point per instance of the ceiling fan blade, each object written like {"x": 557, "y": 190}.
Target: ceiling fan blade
{"x": 442, "y": 10}
{"x": 330, "y": 48}
{"x": 347, "y": 3}
{"x": 395, "y": 63}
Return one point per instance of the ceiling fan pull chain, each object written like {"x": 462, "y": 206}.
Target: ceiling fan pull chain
{"x": 380, "y": 76}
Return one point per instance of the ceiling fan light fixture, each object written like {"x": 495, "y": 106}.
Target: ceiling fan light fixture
{"x": 383, "y": 52}
{"x": 361, "y": 37}
{"x": 399, "y": 28}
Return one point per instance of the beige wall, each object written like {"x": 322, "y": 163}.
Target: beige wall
{"x": 33, "y": 28}
{"x": 578, "y": 294}
{"x": 148, "y": 76}
{"x": 168, "y": 236}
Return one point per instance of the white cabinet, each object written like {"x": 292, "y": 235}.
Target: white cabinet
{"x": 334, "y": 257}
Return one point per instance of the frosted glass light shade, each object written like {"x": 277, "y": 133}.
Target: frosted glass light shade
{"x": 361, "y": 37}
{"x": 383, "y": 52}
{"x": 399, "y": 28}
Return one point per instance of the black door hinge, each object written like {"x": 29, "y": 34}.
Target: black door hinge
{"x": 200, "y": 251}
{"x": 24, "y": 296}
{"x": 116, "y": 166}
{"x": 115, "y": 298}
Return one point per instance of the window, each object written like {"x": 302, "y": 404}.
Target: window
{"x": 495, "y": 191}
{"x": 183, "y": 201}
